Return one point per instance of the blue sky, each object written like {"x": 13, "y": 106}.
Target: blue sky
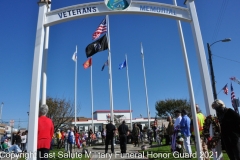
{"x": 164, "y": 64}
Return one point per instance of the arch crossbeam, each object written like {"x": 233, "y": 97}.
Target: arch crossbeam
{"x": 99, "y": 8}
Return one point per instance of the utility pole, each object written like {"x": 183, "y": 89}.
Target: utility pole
{"x": 211, "y": 66}
{"x": 212, "y": 72}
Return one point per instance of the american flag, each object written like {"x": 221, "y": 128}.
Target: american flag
{"x": 225, "y": 89}
{"x": 233, "y": 99}
{"x": 102, "y": 28}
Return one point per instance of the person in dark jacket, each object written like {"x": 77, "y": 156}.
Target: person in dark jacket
{"x": 110, "y": 129}
{"x": 14, "y": 138}
{"x": 154, "y": 128}
{"x": 123, "y": 130}
{"x": 141, "y": 131}
{"x": 90, "y": 132}
{"x": 230, "y": 128}
{"x": 18, "y": 139}
{"x": 3, "y": 137}
{"x": 103, "y": 133}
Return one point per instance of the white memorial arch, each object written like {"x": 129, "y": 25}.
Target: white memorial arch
{"x": 47, "y": 18}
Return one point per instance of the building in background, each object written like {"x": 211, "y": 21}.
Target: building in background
{"x": 102, "y": 117}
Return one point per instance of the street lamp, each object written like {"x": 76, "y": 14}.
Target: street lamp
{"x": 211, "y": 66}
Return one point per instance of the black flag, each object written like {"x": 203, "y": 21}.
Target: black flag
{"x": 97, "y": 46}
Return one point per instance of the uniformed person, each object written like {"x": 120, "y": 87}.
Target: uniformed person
{"x": 110, "y": 129}
{"x": 123, "y": 130}
{"x": 136, "y": 134}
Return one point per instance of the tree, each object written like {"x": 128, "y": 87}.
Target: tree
{"x": 61, "y": 111}
{"x": 167, "y": 107}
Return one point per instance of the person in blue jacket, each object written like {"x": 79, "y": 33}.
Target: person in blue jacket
{"x": 185, "y": 130}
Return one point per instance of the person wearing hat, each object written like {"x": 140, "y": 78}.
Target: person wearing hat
{"x": 123, "y": 130}
{"x": 110, "y": 129}
{"x": 185, "y": 130}
{"x": 230, "y": 128}
{"x": 59, "y": 137}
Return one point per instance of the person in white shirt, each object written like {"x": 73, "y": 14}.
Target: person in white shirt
{"x": 23, "y": 143}
{"x": 176, "y": 126}
{"x": 178, "y": 118}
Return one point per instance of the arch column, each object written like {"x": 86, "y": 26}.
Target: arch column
{"x": 44, "y": 63}
{"x": 202, "y": 63}
{"x": 36, "y": 80}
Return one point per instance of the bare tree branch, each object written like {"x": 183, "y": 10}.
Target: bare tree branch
{"x": 61, "y": 111}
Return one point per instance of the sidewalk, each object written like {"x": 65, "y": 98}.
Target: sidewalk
{"x": 98, "y": 153}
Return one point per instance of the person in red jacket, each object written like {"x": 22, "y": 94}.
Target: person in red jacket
{"x": 77, "y": 139}
{"x": 62, "y": 139}
{"x": 45, "y": 133}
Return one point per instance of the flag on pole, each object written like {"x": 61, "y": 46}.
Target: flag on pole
{"x": 102, "y": 28}
{"x": 88, "y": 63}
{"x": 105, "y": 64}
{"x": 122, "y": 65}
{"x": 225, "y": 89}
{"x": 233, "y": 99}
{"x": 74, "y": 57}
{"x": 97, "y": 46}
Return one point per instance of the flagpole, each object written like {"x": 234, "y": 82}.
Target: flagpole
{"x": 148, "y": 112}
{"x": 92, "y": 98}
{"x": 129, "y": 98}
{"x": 75, "y": 98}
{"x": 110, "y": 69}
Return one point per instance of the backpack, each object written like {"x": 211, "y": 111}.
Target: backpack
{"x": 70, "y": 138}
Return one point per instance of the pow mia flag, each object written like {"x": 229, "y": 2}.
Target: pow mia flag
{"x": 97, "y": 46}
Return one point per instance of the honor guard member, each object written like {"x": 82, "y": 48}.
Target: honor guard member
{"x": 123, "y": 130}
{"x": 110, "y": 129}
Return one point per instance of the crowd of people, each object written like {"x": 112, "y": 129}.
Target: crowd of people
{"x": 229, "y": 121}
{"x": 66, "y": 138}
{"x": 16, "y": 143}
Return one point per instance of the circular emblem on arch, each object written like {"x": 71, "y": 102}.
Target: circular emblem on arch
{"x": 117, "y": 5}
